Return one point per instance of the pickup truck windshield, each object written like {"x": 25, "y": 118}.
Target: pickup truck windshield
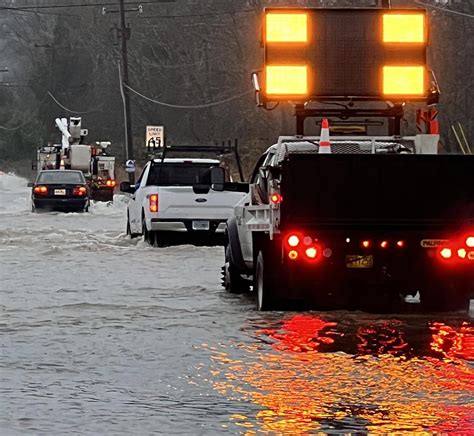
{"x": 180, "y": 174}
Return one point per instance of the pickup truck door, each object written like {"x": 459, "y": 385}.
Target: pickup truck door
{"x": 136, "y": 201}
{"x": 256, "y": 185}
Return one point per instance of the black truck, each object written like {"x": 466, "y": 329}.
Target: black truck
{"x": 353, "y": 221}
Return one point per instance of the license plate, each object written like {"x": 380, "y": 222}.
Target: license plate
{"x": 200, "y": 225}
{"x": 359, "y": 261}
{"x": 59, "y": 192}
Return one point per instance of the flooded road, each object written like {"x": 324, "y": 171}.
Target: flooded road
{"x": 101, "y": 334}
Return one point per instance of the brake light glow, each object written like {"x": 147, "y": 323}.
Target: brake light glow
{"x": 276, "y": 198}
{"x": 291, "y": 27}
{"x": 153, "y": 203}
{"x": 462, "y": 253}
{"x": 79, "y": 191}
{"x": 384, "y": 244}
{"x": 111, "y": 183}
{"x": 40, "y": 190}
{"x": 293, "y": 255}
{"x": 446, "y": 253}
{"x": 311, "y": 252}
{"x": 400, "y": 244}
{"x": 366, "y": 244}
{"x": 470, "y": 241}
{"x": 293, "y": 240}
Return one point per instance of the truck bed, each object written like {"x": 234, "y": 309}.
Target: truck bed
{"x": 358, "y": 189}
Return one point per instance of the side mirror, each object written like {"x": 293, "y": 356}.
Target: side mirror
{"x": 126, "y": 187}
{"x": 217, "y": 178}
{"x": 30, "y": 184}
{"x": 263, "y": 172}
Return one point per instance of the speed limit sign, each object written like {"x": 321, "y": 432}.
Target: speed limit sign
{"x": 155, "y": 136}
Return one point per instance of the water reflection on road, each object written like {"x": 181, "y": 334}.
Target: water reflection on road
{"x": 343, "y": 372}
{"x": 101, "y": 334}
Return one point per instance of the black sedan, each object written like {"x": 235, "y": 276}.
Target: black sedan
{"x": 60, "y": 190}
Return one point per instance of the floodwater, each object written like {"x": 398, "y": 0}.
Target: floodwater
{"x": 101, "y": 334}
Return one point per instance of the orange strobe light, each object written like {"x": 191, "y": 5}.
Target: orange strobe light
{"x": 293, "y": 255}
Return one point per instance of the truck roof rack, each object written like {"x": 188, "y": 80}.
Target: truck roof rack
{"x": 228, "y": 147}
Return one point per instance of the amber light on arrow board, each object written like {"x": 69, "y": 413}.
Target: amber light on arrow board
{"x": 286, "y": 27}
{"x": 404, "y": 28}
{"x": 404, "y": 80}
{"x": 286, "y": 80}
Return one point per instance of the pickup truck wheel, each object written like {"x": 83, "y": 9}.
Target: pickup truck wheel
{"x": 129, "y": 230}
{"x": 149, "y": 236}
{"x": 231, "y": 277}
{"x": 264, "y": 284}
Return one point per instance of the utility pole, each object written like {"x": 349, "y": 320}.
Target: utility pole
{"x": 123, "y": 34}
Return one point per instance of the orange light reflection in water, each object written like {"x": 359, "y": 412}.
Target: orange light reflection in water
{"x": 301, "y": 390}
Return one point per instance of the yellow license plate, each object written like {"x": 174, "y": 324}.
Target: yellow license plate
{"x": 359, "y": 261}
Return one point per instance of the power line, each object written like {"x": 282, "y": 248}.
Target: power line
{"x": 444, "y": 9}
{"x": 36, "y": 9}
{"x": 210, "y": 14}
{"x": 179, "y": 106}
{"x": 69, "y": 110}
{"x": 79, "y": 5}
{"x": 33, "y": 11}
{"x": 11, "y": 129}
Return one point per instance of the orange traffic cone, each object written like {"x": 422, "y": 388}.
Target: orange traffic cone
{"x": 324, "y": 142}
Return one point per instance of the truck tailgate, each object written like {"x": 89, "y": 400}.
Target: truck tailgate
{"x": 401, "y": 189}
{"x": 183, "y": 202}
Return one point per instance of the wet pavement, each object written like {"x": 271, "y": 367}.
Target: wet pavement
{"x": 101, "y": 334}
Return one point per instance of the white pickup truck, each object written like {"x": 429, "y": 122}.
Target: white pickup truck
{"x": 181, "y": 200}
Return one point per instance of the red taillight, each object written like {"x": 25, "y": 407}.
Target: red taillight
{"x": 366, "y": 244}
{"x": 110, "y": 183}
{"x": 400, "y": 244}
{"x": 446, "y": 253}
{"x": 79, "y": 191}
{"x": 153, "y": 203}
{"x": 470, "y": 241}
{"x": 293, "y": 255}
{"x": 293, "y": 240}
{"x": 311, "y": 253}
{"x": 276, "y": 198}
{"x": 462, "y": 253}
{"x": 41, "y": 190}
{"x": 384, "y": 244}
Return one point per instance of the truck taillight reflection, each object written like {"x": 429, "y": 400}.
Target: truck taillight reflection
{"x": 451, "y": 342}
